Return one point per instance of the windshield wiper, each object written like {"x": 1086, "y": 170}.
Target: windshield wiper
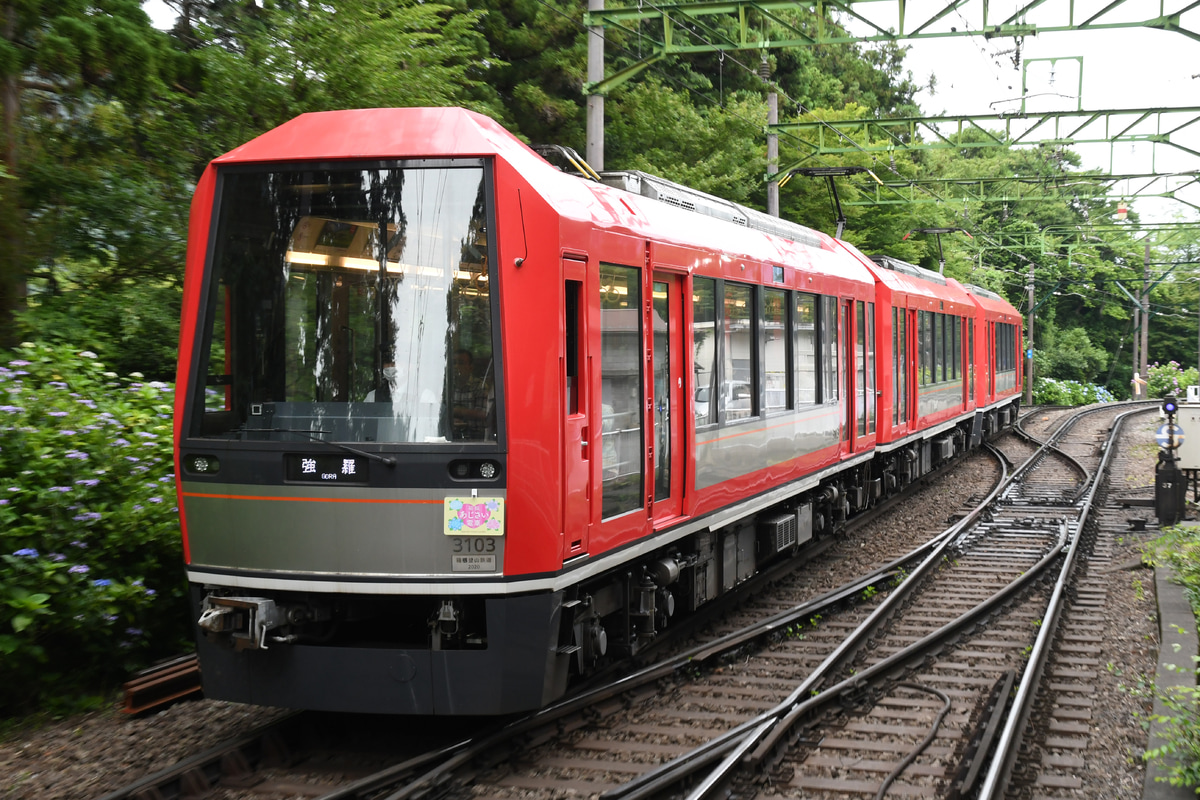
{"x": 386, "y": 460}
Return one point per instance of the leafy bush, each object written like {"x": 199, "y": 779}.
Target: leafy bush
{"x": 91, "y": 578}
{"x": 1179, "y": 548}
{"x": 1052, "y": 392}
{"x": 1168, "y": 379}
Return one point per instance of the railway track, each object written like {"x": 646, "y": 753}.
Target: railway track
{"x": 804, "y": 691}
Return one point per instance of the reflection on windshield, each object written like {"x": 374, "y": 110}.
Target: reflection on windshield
{"x": 351, "y": 304}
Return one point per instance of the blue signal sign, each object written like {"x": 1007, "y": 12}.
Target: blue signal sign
{"x": 1169, "y": 436}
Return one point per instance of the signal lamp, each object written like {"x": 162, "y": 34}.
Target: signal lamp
{"x": 1169, "y": 407}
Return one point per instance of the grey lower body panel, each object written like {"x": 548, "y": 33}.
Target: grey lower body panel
{"x": 520, "y": 669}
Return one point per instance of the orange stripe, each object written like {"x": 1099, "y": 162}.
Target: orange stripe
{"x": 304, "y": 499}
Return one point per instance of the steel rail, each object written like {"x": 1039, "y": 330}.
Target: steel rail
{"x": 770, "y": 737}
{"x": 995, "y": 782}
{"x": 756, "y": 729}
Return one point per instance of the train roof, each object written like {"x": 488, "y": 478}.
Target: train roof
{"x": 629, "y": 202}
{"x": 908, "y": 279}
{"x": 992, "y": 304}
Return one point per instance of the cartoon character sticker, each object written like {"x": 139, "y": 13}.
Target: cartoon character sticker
{"x": 473, "y": 516}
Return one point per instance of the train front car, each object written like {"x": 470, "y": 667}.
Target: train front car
{"x": 340, "y": 446}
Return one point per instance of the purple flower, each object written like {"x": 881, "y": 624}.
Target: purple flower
{"x": 122, "y": 443}
{"x": 88, "y": 516}
{"x": 79, "y": 544}
{"x": 133, "y": 631}
{"x": 19, "y": 363}
{"x": 150, "y": 593}
{"x": 137, "y": 507}
{"x": 155, "y": 499}
{"x": 79, "y": 569}
{"x": 77, "y": 455}
{"x": 134, "y": 459}
{"x": 57, "y": 557}
{"x": 12, "y": 409}
{"x": 58, "y": 413}
{"x": 26, "y": 552}
{"x": 103, "y": 582}
{"x": 88, "y": 481}
{"x": 65, "y": 432}
{"x": 59, "y": 489}
{"x": 3, "y": 501}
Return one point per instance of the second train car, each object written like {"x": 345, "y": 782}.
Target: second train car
{"x": 454, "y": 426}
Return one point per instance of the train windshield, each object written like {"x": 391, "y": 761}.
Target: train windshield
{"x": 350, "y": 305}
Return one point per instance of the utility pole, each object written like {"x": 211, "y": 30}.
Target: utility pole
{"x": 594, "y": 152}
{"x": 764, "y": 72}
{"x": 1145, "y": 363}
{"x": 1137, "y": 339}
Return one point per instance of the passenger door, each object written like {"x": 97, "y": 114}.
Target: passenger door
{"x": 667, "y": 392}
{"x": 577, "y": 436}
{"x": 850, "y": 418}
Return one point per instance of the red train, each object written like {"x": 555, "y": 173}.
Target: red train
{"x": 455, "y": 426}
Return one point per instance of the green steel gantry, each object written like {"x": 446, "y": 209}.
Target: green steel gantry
{"x": 974, "y": 131}
{"x": 1014, "y": 189}
{"x": 671, "y": 28}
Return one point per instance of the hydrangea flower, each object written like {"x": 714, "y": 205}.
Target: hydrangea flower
{"x": 103, "y": 582}
{"x": 79, "y": 569}
{"x": 26, "y": 552}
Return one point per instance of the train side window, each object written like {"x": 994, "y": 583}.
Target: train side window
{"x": 939, "y": 348}
{"x": 775, "y": 347}
{"x": 971, "y": 351}
{"x": 704, "y": 350}
{"x": 622, "y": 391}
{"x": 804, "y": 349}
{"x": 739, "y": 395}
{"x": 574, "y": 290}
{"x": 860, "y": 367}
{"x": 829, "y": 349}
{"x": 870, "y": 368}
{"x": 957, "y": 346}
{"x": 925, "y": 346}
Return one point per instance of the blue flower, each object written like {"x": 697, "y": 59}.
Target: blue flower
{"x": 103, "y": 582}
{"x": 88, "y": 516}
{"x": 26, "y": 552}
{"x": 79, "y": 569}
{"x": 133, "y": 631}
{"x": 77, "y": 455}
{"x": 59, "y": 489}
{"x": 455, "y": 524}
{"x": 88, "y": 481}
